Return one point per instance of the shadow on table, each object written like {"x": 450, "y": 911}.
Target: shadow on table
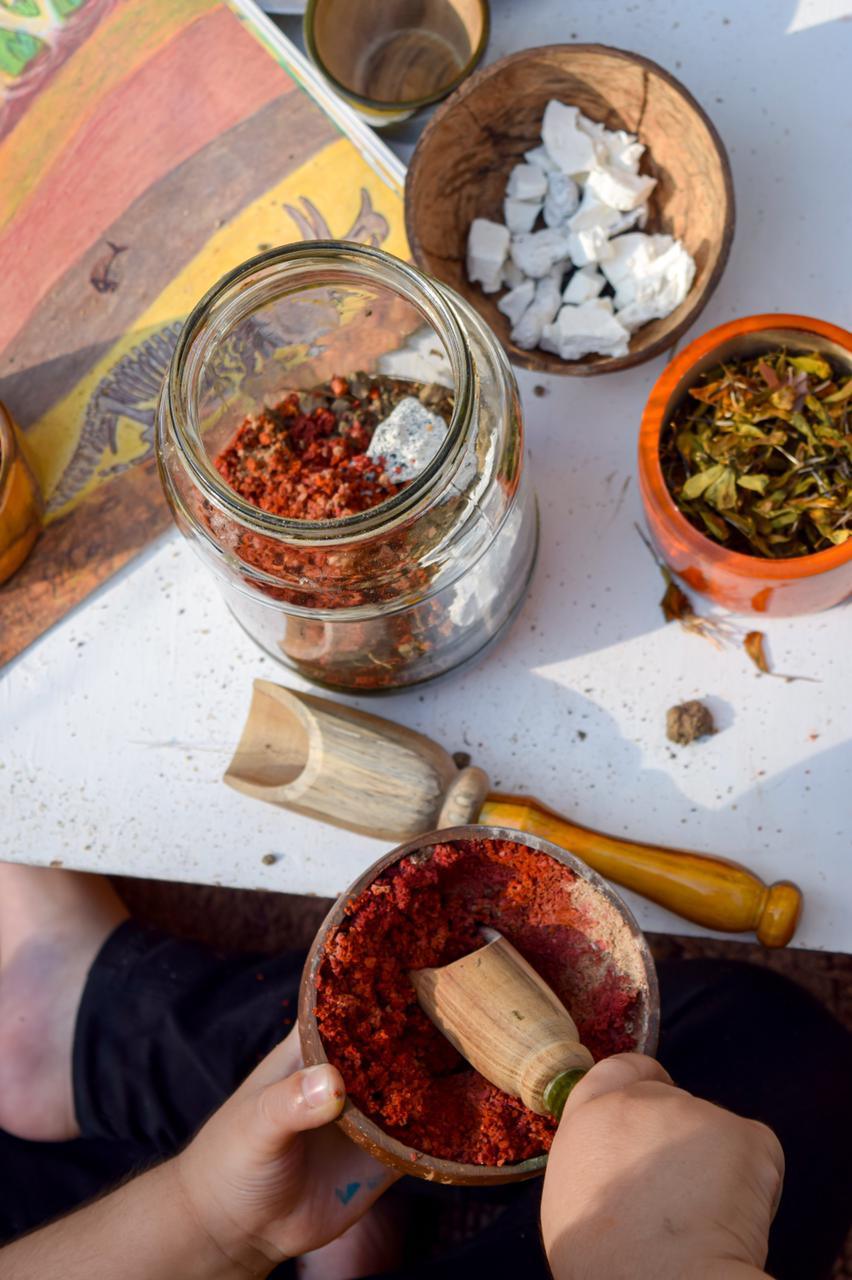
{"x": 576, "y": 759}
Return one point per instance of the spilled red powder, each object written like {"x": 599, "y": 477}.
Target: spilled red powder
{"x": 427, "y": 910}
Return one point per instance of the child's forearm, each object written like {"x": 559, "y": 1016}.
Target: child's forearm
{"x": 143, "y": 1231}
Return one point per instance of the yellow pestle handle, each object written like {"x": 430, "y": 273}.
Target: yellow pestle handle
{"x": 712, "y": 892}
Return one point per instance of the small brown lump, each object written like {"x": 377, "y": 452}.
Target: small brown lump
{"x": 689, "y": 721}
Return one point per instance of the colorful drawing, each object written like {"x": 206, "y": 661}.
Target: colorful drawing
{"x": 129, "y": 391}
{"x": 36, "y": 36}
{"x": 145, "y": 149}
{"x": 369, "y": 227}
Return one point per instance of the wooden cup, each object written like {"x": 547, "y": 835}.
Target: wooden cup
{"x": 390, "y": 58}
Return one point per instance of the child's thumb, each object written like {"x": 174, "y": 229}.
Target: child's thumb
{"x": 305, "y": 1100}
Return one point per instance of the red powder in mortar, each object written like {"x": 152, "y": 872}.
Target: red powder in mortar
{"x": 427, "y": 910}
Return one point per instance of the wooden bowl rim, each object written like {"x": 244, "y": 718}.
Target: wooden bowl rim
{"x": 651, "y": 472}
{"x": 589, "y": 366}
{"x": 380, "y": 105}
{"x": 353, "y": 1121}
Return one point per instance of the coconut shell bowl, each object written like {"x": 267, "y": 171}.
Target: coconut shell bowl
{"x": 618, "y": 938}
{"x": 459, "y": 170}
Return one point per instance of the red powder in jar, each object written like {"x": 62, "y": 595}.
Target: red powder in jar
{"x": 305, "y": 458}
{"x": 306, "y": 465}
{"x": 427, "y": 910}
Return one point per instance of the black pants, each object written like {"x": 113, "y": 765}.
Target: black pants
{"x": 167, "y": 1029}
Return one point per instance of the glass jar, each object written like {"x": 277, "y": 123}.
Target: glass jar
{"x": 408, "y": 589}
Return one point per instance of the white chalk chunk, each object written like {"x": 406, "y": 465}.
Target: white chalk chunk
{"x": 613, "y": 146}
{"x": 539, "y": 156}
{"x": 592, "y": 212}
{"x": 407, "y": 439}
{"x": 526, "y": 182}
{"x": 586, "y": 247}
{"x": 589, "y": 329}
{"x": 562, "y": 199}
{"x": 520, "y": 215}
{"x": 627, "y": 221}
{"x": 584, "y": 285}
{"x": 487, "y": 246}
{"x": 537, "y": 252}
{"x": 651, "y": 275}
{"x": 514, "y": 303}
{"x": 527, "y": 331}
{"x": 619, "y": 188}
{"x": 512, "y": 275}
{"x": 568, "y": 147}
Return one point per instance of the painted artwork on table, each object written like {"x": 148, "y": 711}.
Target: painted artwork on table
{"x": 146, "y": 148}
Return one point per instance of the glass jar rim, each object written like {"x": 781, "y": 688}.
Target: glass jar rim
{"x": 425, "y": 294}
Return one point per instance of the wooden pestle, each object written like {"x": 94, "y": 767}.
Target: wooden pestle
{"x": 711, "y": 891}
{"x": 367, "y": 774}
{"x": 507, "y": 1022}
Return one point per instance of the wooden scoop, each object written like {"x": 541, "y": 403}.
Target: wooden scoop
{"x": 368, "y": 774}
{"x": 504, "y": 1018}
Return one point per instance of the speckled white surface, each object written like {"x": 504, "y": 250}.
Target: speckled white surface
{"x": 117, "y": 726}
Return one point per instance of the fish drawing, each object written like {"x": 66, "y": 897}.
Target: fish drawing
{"x": 100, "y": 277}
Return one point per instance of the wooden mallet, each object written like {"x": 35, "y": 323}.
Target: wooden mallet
{"x": 367, "y": 774}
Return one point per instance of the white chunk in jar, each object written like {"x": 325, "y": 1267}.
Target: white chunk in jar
{"x": 407, "y": 439}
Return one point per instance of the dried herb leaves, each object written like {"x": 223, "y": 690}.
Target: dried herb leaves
{"x": 759, "y": 455}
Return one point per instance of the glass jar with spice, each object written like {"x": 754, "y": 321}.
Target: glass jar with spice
{"x": 340, "y": 438}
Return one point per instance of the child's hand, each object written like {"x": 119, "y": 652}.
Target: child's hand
{"x": 646, "y": 1181}
{"x": 269, "y": 1176}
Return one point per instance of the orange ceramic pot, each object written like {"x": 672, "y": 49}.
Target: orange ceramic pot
{"x": 21, "y": 506}
{"x": 743, "y": 583}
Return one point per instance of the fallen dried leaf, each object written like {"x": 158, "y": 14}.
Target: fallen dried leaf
{"x": 677, "y": 607}
{"x": 675, "y": 604}
{"x": 754, "y": 647}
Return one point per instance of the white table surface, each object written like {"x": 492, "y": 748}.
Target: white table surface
{"x": 118, "y": 724}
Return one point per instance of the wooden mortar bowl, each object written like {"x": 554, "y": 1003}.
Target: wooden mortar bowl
{"x": 743, "y": 583}
{"x": 21, "y": 504}
{"x": 466, "y": 152}
{"x": 366, "y": 1132}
